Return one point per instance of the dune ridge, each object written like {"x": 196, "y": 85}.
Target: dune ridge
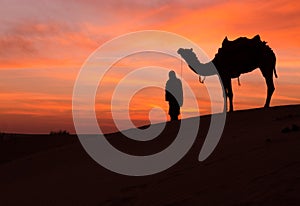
{"x": 257, "y": 162}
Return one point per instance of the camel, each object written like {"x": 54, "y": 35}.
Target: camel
{"x": 234, "y": 58}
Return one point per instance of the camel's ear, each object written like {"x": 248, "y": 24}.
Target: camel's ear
{"x": 191, "y": 49}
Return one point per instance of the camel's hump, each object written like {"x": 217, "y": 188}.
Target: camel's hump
{"x": 241, "y": 41}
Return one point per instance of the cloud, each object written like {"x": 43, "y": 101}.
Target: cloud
{"x": 15, "y": 45}
{"x": 33, "y": 43}
{"x": 44, "y": 43}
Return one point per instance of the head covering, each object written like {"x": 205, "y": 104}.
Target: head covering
{"x": 172, "y": 74}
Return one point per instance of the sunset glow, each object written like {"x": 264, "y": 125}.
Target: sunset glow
{"x": 43, "y": 45}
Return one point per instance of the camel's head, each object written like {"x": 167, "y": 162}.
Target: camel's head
{"x": 188, "y": 55}
{"x": 185, "y": 52}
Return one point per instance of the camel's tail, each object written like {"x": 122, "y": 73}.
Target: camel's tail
{"x": 275, "y": 73}
{"x": 271, "y": 52}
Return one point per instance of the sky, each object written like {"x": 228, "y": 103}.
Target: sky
{"x": 44, "y": 43}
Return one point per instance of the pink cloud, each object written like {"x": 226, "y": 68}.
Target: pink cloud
{"x": 44, "y": 43}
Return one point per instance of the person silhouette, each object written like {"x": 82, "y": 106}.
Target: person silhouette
{"x": 174, "y": 95}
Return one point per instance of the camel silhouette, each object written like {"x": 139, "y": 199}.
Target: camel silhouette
{"x": 234, "y": 58}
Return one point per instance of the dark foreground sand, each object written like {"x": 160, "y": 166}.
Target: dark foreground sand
{"x": 257, "y": 162}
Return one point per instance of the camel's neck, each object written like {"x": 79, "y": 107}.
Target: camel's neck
{"x": 199, "y": 68}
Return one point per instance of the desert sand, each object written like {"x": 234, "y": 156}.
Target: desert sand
{"x": 257, "y": 162}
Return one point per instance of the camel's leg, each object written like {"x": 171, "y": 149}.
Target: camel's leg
{"x": 271, "y": 88}
{"x": 230, "y": 95}
{"x": 225, "y": 99}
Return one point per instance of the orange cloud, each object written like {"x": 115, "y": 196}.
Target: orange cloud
{"x": 42, "y": 47}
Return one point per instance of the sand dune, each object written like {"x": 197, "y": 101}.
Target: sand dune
{"x": 257, "y": 162}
